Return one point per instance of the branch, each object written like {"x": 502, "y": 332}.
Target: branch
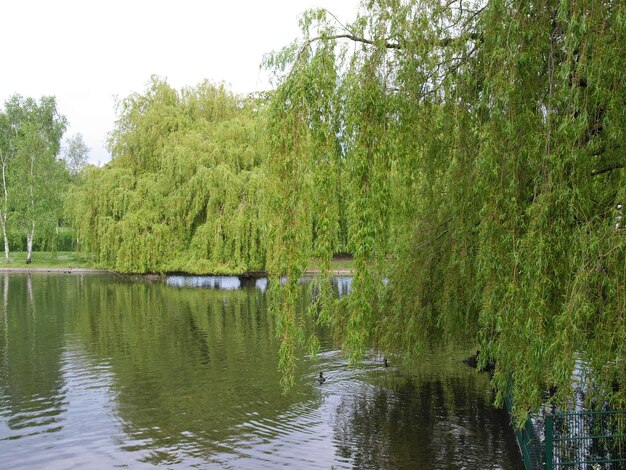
{"x": 337, "y": 20}
{"x": 450, "y": 219}
{"x": 598, "y": 151}
{"x": 614, "y": 166}
{"x": 390, "y": 45}
{"x": 352, "y": 37}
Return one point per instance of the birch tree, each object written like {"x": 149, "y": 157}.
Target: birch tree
{"x": 75, "y": 153}
{"x": 36, "y": 172}
{"x": 6, "y": 152}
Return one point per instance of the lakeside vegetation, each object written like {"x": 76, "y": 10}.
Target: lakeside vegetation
{"x": 469, "y": 155}
{"x": 482, "y": 149}
{"x": 48, "y": 259}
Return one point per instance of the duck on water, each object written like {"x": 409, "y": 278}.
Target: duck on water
{"x": 472, "y": 361}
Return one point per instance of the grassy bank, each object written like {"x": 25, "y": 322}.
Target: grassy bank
{"x": 71, "y": 259}
{"x": 47, "y": 259}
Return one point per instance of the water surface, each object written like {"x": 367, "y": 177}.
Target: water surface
{"x": 100, "y": 372}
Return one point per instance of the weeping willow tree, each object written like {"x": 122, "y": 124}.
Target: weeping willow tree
{"x": 480, "y": 148}
{"x": 184, "y": 189}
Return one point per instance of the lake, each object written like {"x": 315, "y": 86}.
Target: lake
{"x": 102, "y": 371}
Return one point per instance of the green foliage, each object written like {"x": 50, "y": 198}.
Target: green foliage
{"x": 33, "y": 178}
{"x": 482, "y": 151}
{"x": 75, "y": 154}
{"x": 183, "y": 192}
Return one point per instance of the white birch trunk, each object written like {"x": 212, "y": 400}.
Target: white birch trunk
{"x": 3, "y": 222}
{"x": 29, "y": 244}
{"x": 31, "y": 233}
{"x": 3, "y": 214}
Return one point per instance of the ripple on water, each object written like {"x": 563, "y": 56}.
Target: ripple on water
{"x": 33, "y": 415}
{"x": 71, "y": 426}
{"x": 304, "y": 436}
{"x": 126, "y": 392}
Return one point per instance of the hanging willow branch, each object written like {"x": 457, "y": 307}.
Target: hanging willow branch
{"x": 500, "y": 124}
{"x": 607, "y": 169}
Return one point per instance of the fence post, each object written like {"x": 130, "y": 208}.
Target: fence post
{"x": 549, "y": 444}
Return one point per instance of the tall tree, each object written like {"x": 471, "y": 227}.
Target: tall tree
{"x": 480, "y": 150}
{"x": 483, "y": 144}
{"x": 184, "y": 190}
{"x": 6, "y": 154}
{"x": 37, "y": 172}
{"x": 75, "y": 153}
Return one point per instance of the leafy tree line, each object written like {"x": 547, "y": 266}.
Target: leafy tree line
{"x": 187, "y": 188}
{"x": 183, "y": 191}
{"x": 33, "y": 172}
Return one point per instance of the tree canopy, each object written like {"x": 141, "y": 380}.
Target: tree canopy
{"x": 33, "y": 177}
{"x": 482, "y": 148}
{"x": 75, "y": 154}
{"x": 185, "y": 186}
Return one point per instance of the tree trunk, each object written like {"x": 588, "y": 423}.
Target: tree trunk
{"x": 29, "y": 244}
{"x": 31, "y": 234}
{"x": 3, "y": 222}
{"x": 3, "y": 214}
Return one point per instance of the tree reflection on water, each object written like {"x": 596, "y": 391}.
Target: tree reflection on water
{"x": 102, "y": 369}
{"x": 427, "y": 422}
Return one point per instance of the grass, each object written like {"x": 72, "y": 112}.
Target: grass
{"x": 47, "y": 259}
{"x": 71, "y": 259}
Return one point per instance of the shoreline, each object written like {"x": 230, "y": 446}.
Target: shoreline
{"x": 335, "y": 272}
{"x": 55, "y": 270}
{"x": 68, "y": 270}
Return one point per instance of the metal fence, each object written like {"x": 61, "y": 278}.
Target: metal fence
{"x": 586, "y": 440}
{"x": 529, "y": 441}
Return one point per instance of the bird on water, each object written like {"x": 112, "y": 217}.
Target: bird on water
{"x": 321, "y": 379}
{"x": 472, "y": 361}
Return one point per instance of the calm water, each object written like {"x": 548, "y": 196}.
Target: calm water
{"x": 100, "y": 372}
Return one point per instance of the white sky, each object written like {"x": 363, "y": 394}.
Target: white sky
{"x": 86, "y": 52}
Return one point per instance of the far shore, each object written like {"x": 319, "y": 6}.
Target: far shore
{"x": 71, "y": 262}
{"x": 56, "y": 270}
{"x": 21, "y": 269}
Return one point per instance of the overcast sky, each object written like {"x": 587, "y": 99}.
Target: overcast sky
{"x": 87, "y": 52}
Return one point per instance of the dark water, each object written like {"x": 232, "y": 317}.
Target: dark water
{"x": 100, "y": 372}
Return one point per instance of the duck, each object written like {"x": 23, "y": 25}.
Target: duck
{"x": 321, "y": 379}
{"x": 472, "y": 361}
{"x": 385, "y": 362}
